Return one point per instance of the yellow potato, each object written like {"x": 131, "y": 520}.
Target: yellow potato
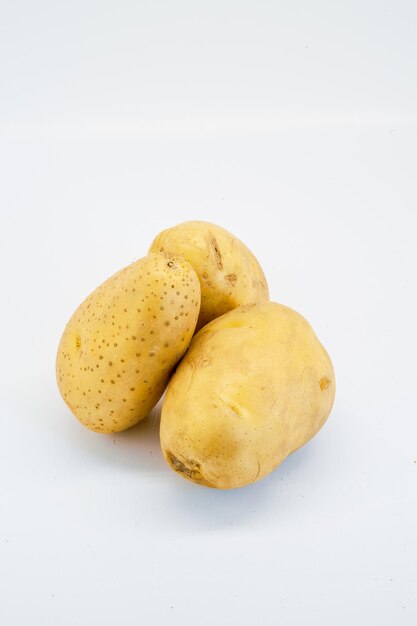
{"x": 228, "y": 272}
{"x": 255, "y": 385}
{"x": 121, "y": 344}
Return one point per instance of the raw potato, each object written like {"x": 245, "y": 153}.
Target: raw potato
{"x": 255, "y": 385}
{"x": 229, "y": 273}
{"x": 121, "y": 344}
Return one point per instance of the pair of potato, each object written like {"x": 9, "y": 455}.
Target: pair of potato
{"x": 254, "y": 385}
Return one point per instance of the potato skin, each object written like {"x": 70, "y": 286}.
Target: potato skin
{"x": 229, "y": 273}
{"x": 119, "y": 347}
{"x": 255, "y": 385}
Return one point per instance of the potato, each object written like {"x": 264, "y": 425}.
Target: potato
{"x": 229, "y": 273}
{"x": 121, "y": 344}
{"x": 255, "y": 385}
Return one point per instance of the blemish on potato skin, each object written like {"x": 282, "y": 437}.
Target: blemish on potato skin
{"x": 187, "y": 468}
{"x": 324, "y": 383}
{"x": 231, "y": 278}
{"x": 234, "y": 408}
{"x": 216, "y": 251}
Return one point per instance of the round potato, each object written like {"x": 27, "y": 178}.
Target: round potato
{"x": 255, "y": 385}
{"x": 229, "y": 273}
{"x": 121, "y": 344}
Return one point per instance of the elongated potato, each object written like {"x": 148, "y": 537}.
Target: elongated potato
{"x": 229, "y": 273}
{"x": 255, "y": 385}
{"x": 121, "y": 344}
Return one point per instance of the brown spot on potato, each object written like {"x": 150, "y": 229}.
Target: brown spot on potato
{"x": 231, "y": 278}
{"x": 216, "y": 251}
{"x": 188, "y": 468}
{"x": 324, "y": 383}
{"x": 234, "y": 408}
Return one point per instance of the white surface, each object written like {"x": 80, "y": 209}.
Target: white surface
{"x": 294, "y": 125}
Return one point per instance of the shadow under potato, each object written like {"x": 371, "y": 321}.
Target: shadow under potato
{"x": 137, "y": 448}
{"x": 193, "y": 507}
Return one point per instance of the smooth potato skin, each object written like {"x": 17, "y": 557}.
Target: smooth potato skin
{"x": 255, "y": 385}
{"x": 119, "y": 347}
{"x": 229, "y": 273}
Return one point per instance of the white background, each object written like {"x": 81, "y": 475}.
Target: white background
{"x": 293, "y": 124}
